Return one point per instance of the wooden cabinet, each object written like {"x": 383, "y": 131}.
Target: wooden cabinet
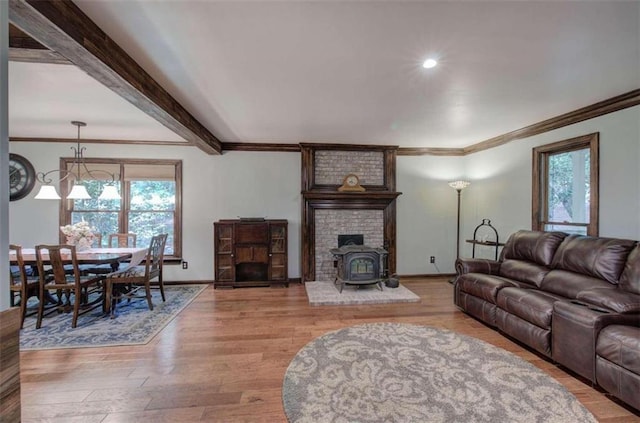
{"x": 250, "y": 252}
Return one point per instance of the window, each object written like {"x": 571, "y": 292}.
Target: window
{"x": 565, "y": 186}
{"x": 151, "y": 201}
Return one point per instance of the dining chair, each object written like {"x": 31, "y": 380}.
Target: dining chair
{"x": 21, "y": 283}
{"x": 122, "y": 240}
{"x": 53, "y": 276}
{"x": 157, "y": 270}
{"x": 127, "y": 283}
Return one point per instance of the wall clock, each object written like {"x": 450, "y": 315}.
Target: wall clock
{"x": 351, "y": 182}
{"x": 22, "y": 177}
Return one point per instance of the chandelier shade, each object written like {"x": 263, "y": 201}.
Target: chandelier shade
{"x": 47, "y": 192}
{"x": 78, "y": 192}
{"x": 110, "y": 192}
{"x": 78, "y": 172}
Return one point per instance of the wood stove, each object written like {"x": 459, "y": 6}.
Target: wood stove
{"x": 360, "y": 265}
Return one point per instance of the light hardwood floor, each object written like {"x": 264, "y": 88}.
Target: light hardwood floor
{"x": 223, "y": 359}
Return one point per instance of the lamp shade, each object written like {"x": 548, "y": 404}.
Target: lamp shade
{"x": 78, "y": 192}
{"x": 110, "y": 192}
{"x": 77, "y": 172}
{"x": 459, "y": 185}
{"x": 47, "y": 192}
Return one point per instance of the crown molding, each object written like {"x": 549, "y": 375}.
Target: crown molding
{"x": 270, "y": 147}
{"x": 613, "y": 104}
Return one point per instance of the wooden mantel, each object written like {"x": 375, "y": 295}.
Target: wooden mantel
{"x": 350, "y": 200}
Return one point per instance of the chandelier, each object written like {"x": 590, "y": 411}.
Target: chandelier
{"x": 79, "y": 172}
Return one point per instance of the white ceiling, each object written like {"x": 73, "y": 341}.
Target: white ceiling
{"x": 45, "y": 98}
{"x": 345, "y": 71}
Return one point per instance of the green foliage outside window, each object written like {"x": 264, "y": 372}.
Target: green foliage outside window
{"x": 152, "y": 211}
{"x": 563, "y": 195}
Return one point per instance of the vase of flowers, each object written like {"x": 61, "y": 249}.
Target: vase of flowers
{"x": 79, "y": 234}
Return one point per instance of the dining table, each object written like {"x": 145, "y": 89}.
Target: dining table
{"x": 94, "y": 256}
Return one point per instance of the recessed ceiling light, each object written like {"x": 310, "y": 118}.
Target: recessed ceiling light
{"x": 429, "y": 63}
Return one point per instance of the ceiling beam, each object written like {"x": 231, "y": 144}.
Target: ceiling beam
{"x": 20, "y": 39}
{"x": 23, "y": 48}
{"x": 36, "y": 56}
{"x": 62, "y": 27}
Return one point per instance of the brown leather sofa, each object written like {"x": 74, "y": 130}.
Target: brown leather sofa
{"x": 572, "y": 298}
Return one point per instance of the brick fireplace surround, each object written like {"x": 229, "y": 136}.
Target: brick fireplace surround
{"x": 328, "y": 213}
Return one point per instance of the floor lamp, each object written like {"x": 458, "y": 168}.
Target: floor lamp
{"x": 458, "y": 186}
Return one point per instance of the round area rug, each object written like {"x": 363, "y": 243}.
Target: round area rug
{"x": 388, "y": 372}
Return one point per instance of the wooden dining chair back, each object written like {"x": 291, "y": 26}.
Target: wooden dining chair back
{"x": 158, "y": 243}
{"x": 122, "y": 240}
{"x": 60, "y": 273}
{"x": 21, "y": 283}
{"x": 97, "y": 240}
{"x": 129, "y": 283}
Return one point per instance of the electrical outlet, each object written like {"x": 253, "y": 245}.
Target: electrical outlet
{"x": 432, "y": 259}
{"x": 185, "y": 264}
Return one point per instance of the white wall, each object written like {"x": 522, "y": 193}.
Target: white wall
{"x": 268, "y": 184}
{"x": 500, "y": 190}
{"x": 426, "y": 213}
{"x": 501, "y": 177}
{"x": 214, "y": 187}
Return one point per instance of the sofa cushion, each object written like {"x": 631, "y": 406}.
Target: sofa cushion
{"x": 618, "y": 381}
{"x": 569, "y": 284}
{"x": 531, "y": 305}
{"x": 533, "y": 246}
{"x": 611, "y": 299}
{"x": 524, "y": 271}
{"x": 482, "y": 286}
{"x": 533, "y": 336}
{"x": 620, "y": 345}
{"x": 480, "y": 309}
{"x": 630, "y": 279}
{"x": 602, "y": 258}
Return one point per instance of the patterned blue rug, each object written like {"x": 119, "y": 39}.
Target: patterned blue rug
{"x": 134, "y": 323}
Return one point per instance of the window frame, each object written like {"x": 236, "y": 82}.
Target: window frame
{"x": 540, "y": 178}
{"x": 66, "y": 206}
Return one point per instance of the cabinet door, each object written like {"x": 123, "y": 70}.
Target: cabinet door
{"x": 261, "y": 254}
{"x": 224, "y": 239}
{"x": 244, "y": 254}
{"x": 278, "y": 241}
{"x": 277, "y": 268}
{"x": 278, "y": 252}
{"x": 252, "y": 254}
{"x": 225, "y": 268}
{"x": 224, "y": 258}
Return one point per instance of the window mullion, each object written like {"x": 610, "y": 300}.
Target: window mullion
{"x": 126, "y": 207}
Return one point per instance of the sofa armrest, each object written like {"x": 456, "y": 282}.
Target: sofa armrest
{"x": 611, "y": 299}
{"x": 575, "y": 327}
{"x": 474, "y": 265}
